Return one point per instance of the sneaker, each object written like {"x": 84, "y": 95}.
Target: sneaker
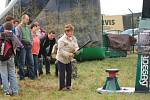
{"x": 7, "y": 94}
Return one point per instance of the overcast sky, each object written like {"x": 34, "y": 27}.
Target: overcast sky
{"x": 2, "y": 5}
{"x": 111, "y": 7}
{"x": 119, "y": 7}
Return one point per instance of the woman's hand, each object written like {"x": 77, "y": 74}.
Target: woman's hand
{"x": 71, "y": 55}
{"x": 77, "y": 51}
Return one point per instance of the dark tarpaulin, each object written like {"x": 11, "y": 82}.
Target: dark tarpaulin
{"x": 121, "y": 42}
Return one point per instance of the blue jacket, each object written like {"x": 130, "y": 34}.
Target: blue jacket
{"x": 2, "y": 29}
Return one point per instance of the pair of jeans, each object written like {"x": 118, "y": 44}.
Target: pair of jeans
{"x": 8, "y": 75}
{"x": 56, "y": 68}
{"x": 47, "y": 65}
{"x": 65, "y": 71}
{"x": 26, "y": 56}
{"x": 36, "y": 66}
{"x": 17, "y": 59}
{"x": 40, "y": 66}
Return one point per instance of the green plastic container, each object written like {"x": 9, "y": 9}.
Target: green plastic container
{"x": 91, "y": 54}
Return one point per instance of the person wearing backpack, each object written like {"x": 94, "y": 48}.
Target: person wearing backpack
{"x": 10, "y": 19}
{"x": 9, "y": 42}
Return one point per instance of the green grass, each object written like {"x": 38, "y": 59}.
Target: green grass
{"x": 91, "y": 76}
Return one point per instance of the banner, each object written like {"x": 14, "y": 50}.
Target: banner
{"x": 143, "y": 63}
{"x": 142, "y": 73}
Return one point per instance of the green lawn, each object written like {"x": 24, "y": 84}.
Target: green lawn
{"x": 91, "y": 76}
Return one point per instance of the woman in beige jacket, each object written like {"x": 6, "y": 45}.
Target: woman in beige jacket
{"x": 67, "y": 46}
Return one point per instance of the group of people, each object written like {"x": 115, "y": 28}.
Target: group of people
{"x": 31, "y": 47}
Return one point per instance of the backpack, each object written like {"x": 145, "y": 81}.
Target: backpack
{"x": 6, "y": 49}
